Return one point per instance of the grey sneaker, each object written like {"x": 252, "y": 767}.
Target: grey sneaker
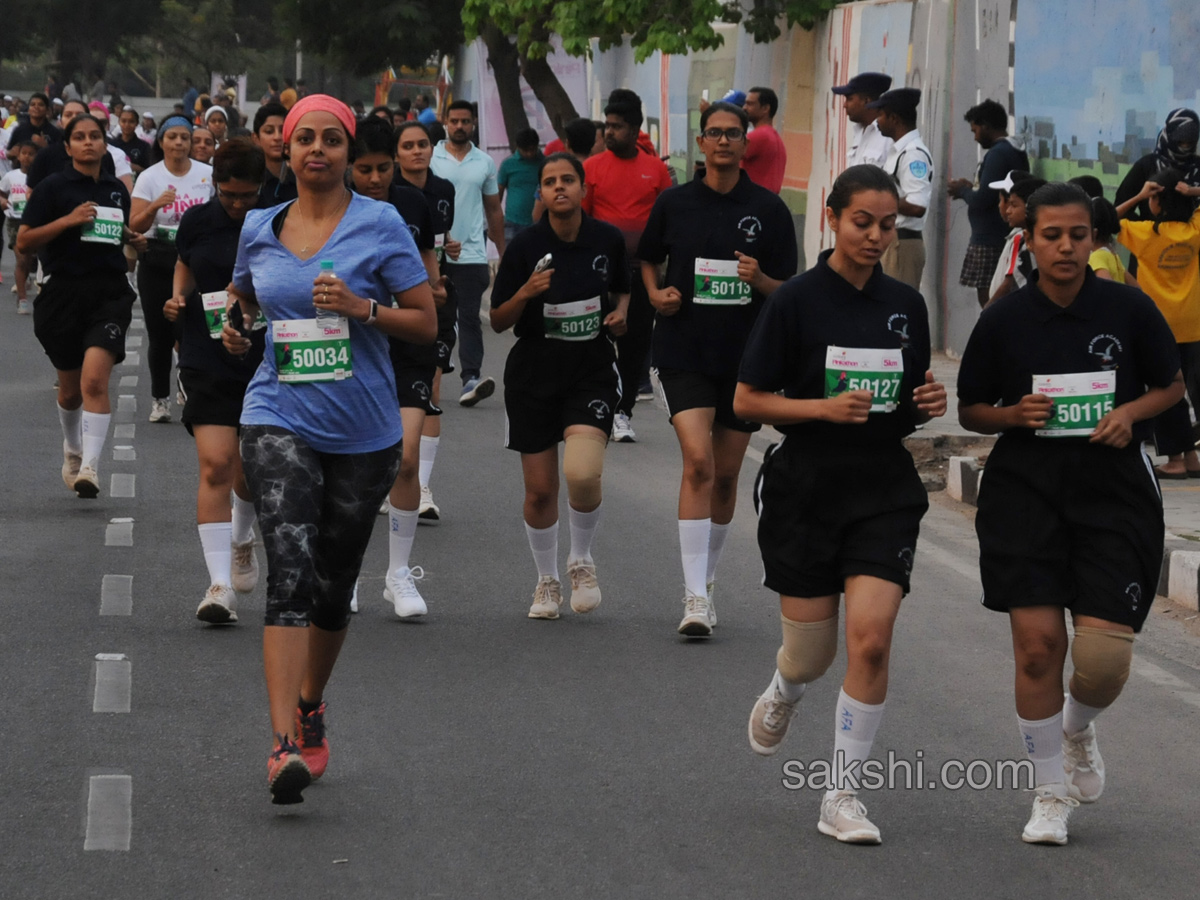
{"x": 769, "y": 721}
{"x": 698, "y": 618}
{"x": 160, "y": 410}
{"x": 547, "y": 598}
{"x": 1084, "y": 765}
{"x": 218, "y": 606}
{"x": 622, "y": 431}
{"x": 476, "y": 389}
{"x": 244, "y": 573}
{"x": 70, "y": 466}
{"x": 585, "y": 590}
{"x": 844, "y": 818}
{"x": 1048, "y": 822}
{"x": 87, "y": 483}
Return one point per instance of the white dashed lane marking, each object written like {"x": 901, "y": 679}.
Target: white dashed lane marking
{"x": 114, "y": 683}
{"x": 124, "y": 453}
{"x": 125, "y": 432}
{"x": 119, "y": 533}
{"x": 126, "y": 403}
{"x": 133, "y": 340}
{"x": 109, "y": 812}
{"x": 132, "y": 359}
{"x": 123, "y": 485}
{"x": 128, "y": 381}
{"x": 116, "y": 595}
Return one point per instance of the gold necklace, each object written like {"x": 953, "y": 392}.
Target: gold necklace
{"x": 321, "y": 235}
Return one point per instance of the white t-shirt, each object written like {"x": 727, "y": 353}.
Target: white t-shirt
{"x": 13, "y": 184}
{"x": 192, "y": 189}
{"x": 120, "y": 161}
{"x": 5, "y": 165}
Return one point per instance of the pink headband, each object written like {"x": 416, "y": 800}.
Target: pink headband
{"x": 317, "y": 103}
{"x": 98, "y": 107}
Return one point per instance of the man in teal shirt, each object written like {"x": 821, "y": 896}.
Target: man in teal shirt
{"x": 519, "y": 177}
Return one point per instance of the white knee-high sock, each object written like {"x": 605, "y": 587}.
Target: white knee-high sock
{"x": 1043, "y": 744}
{"x": 583, "y": 532}
{"x": 243, "y": 520}
{"x": 716, "y": 544}
{"x": 429, "y": 449}
{"x": 1078, "y": 716}
{"x": 94, "y": 427}
{"x": 72, "y": 429}
{"x": 693, "y": 548}
{"x": 854, "y": 730}
{"x": 402, "y": 529}
{"x": 215, "y": 538}
{"x": 544, "y": 544}
{"x": 789, "y": 691}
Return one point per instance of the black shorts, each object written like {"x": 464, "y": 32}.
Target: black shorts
{"x": 447, "y": 336}
{"x": 73, "y": 313}
{"x": 685, "y": 390}
{"x": 211, "y": 399}
{"x": 550, "y": 385}
{"x": 826, "y": 514}
{"x": 1065, "y": 523}
{"x": 414, "y": 388}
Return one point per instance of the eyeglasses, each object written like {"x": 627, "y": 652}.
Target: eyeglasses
{"x": 733, "y": 135}
{"x": 238, "y": 196}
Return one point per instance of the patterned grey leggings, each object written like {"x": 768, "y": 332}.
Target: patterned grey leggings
{"x": 316, "y": 511}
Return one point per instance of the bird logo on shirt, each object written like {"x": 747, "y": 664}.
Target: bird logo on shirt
{"x": 898, "y": 325}
{"x": 600, "y": 264}
{"x": 421, "y": 389}
{"x": 1134, "y": 593}
{"x": 600, "y": 408}
{"x": 113, "y": 330}
{"x": 751, "y": 227}
{"x": 1105, "y": 348}
{"x": 443, "y": 208}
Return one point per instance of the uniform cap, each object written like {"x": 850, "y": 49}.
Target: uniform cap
{"x": 736, "y": 97}
{"x": 873, "y": 83}
{"x": 901, "y": 100}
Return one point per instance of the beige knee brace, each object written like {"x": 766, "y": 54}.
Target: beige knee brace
{"x": 1101, "y": 659}
{"x": 583, "y": 464}
{"x": 808, "y": 649}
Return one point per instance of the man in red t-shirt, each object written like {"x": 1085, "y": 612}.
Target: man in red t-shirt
{"x": 622, "y": 185}
{"x": 765, "y": 157}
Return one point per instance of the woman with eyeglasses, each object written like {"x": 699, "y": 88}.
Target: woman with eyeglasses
{"x": 214, "y": 381}
{"x": 727, "y": 244}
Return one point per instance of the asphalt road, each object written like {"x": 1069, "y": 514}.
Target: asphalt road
{"x": 481, "y": 754}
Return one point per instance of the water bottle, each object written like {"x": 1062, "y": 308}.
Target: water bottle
{"x": 326, "y": 316}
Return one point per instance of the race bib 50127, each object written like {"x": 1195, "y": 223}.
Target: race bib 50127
{"x": 855, "y": 369}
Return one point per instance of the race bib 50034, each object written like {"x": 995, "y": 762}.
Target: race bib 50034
{"x": 852, "y": 369}
{"x": 308, "y": 350}
{"x": 1080, "y": 401}
{"x": 717, "y": 283}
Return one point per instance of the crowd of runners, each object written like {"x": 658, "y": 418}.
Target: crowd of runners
{"x": 306, "y": 273}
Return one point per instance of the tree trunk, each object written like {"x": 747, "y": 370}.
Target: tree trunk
{"x": 550, "y": 92}
{"x": 506, "y": 68}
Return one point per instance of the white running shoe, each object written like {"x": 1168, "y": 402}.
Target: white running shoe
{"x": 622, "y": 431}
{"x": 24, "y": 308}
{"x": 476, "y": 389}
{"x": 160, "y": 410}
{"x": 87, "y": 483}
{"x": 698, "y": 618}
{"x": 547, "y": 598}
{"x": 428, "y": 512}
{"x": 712, "y": 606}
{"x": 70, "y": 467}
{"x": 1084, "y": 766}
{"x": 354, "y": 599}
{"x": 585, "y": 590}
{"x": 769, "y": 721}
{"x": 384, "y": 506}
{"x": 845, "y": 818}
{"x": 400, "y": 589}
{"x": 1051, "y": 809}
{"x": 244, "y": 572}
{"x": 218, "y": 606}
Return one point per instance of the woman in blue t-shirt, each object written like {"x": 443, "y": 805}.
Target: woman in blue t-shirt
{"x": 335, "y": 274}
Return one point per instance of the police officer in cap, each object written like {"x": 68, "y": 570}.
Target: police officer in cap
{"x": 868, "y": 145}
{"x": 911, "y": 166}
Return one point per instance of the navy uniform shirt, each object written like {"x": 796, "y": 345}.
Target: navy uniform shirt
{"x": 594, "y": 265}
{"x": 207, "y": 243}
{"x": 58, "y": 196}
{"x": 690, "y": 221}
{"x": 136, "y": 149}
{"x": 1109, "y": 327}
{"x": 816, "y": 310}
{"x": 439, "y": 193}
{"x": 414, "y": 210}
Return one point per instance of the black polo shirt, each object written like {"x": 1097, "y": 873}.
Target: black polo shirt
{"x": 56, "y": 197}
{"x": 691, "y": 221}
{"x": 276, "y": 191}
{"x": 414, "y": 210}
{"x": 1109, "y": 327}
{"x": 207, "y": 244}
{"x": 439, "y": 193}
{"x": 25, "y": 130}
{"x": 594, "y": 265}
{"x": 55, "y": 159}
{"x": 136, "y": 149}
{"x": 818, "y": 309}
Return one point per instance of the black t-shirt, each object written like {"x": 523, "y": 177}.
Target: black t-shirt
{"x": 1109, "y": 327}
{"x": 207, "y": 243}
{"x": 594, "y": 265}
{"x": 55, "y": 159}
{"x": 414, "y": 210}
{"x": 24, "y": 130}
{"x": 439, "y": 193}
{"x": 988, "y": 228}
{"x": 693, "y": 221}
{"x": 819, "y": 309}
{"x": 136, "y": 149}
{"x": 276, "y": 191}
{"x": 56, "y": 197}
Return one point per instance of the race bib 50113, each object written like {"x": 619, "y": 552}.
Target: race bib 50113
{"x": 717, "y": 283}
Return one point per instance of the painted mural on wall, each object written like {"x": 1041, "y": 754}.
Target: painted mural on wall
{"x": 1100, "y": 108}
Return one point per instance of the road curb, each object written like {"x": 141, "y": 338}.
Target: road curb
{"x": 963, "y": 474}
{"x": 1180, "y": 578}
